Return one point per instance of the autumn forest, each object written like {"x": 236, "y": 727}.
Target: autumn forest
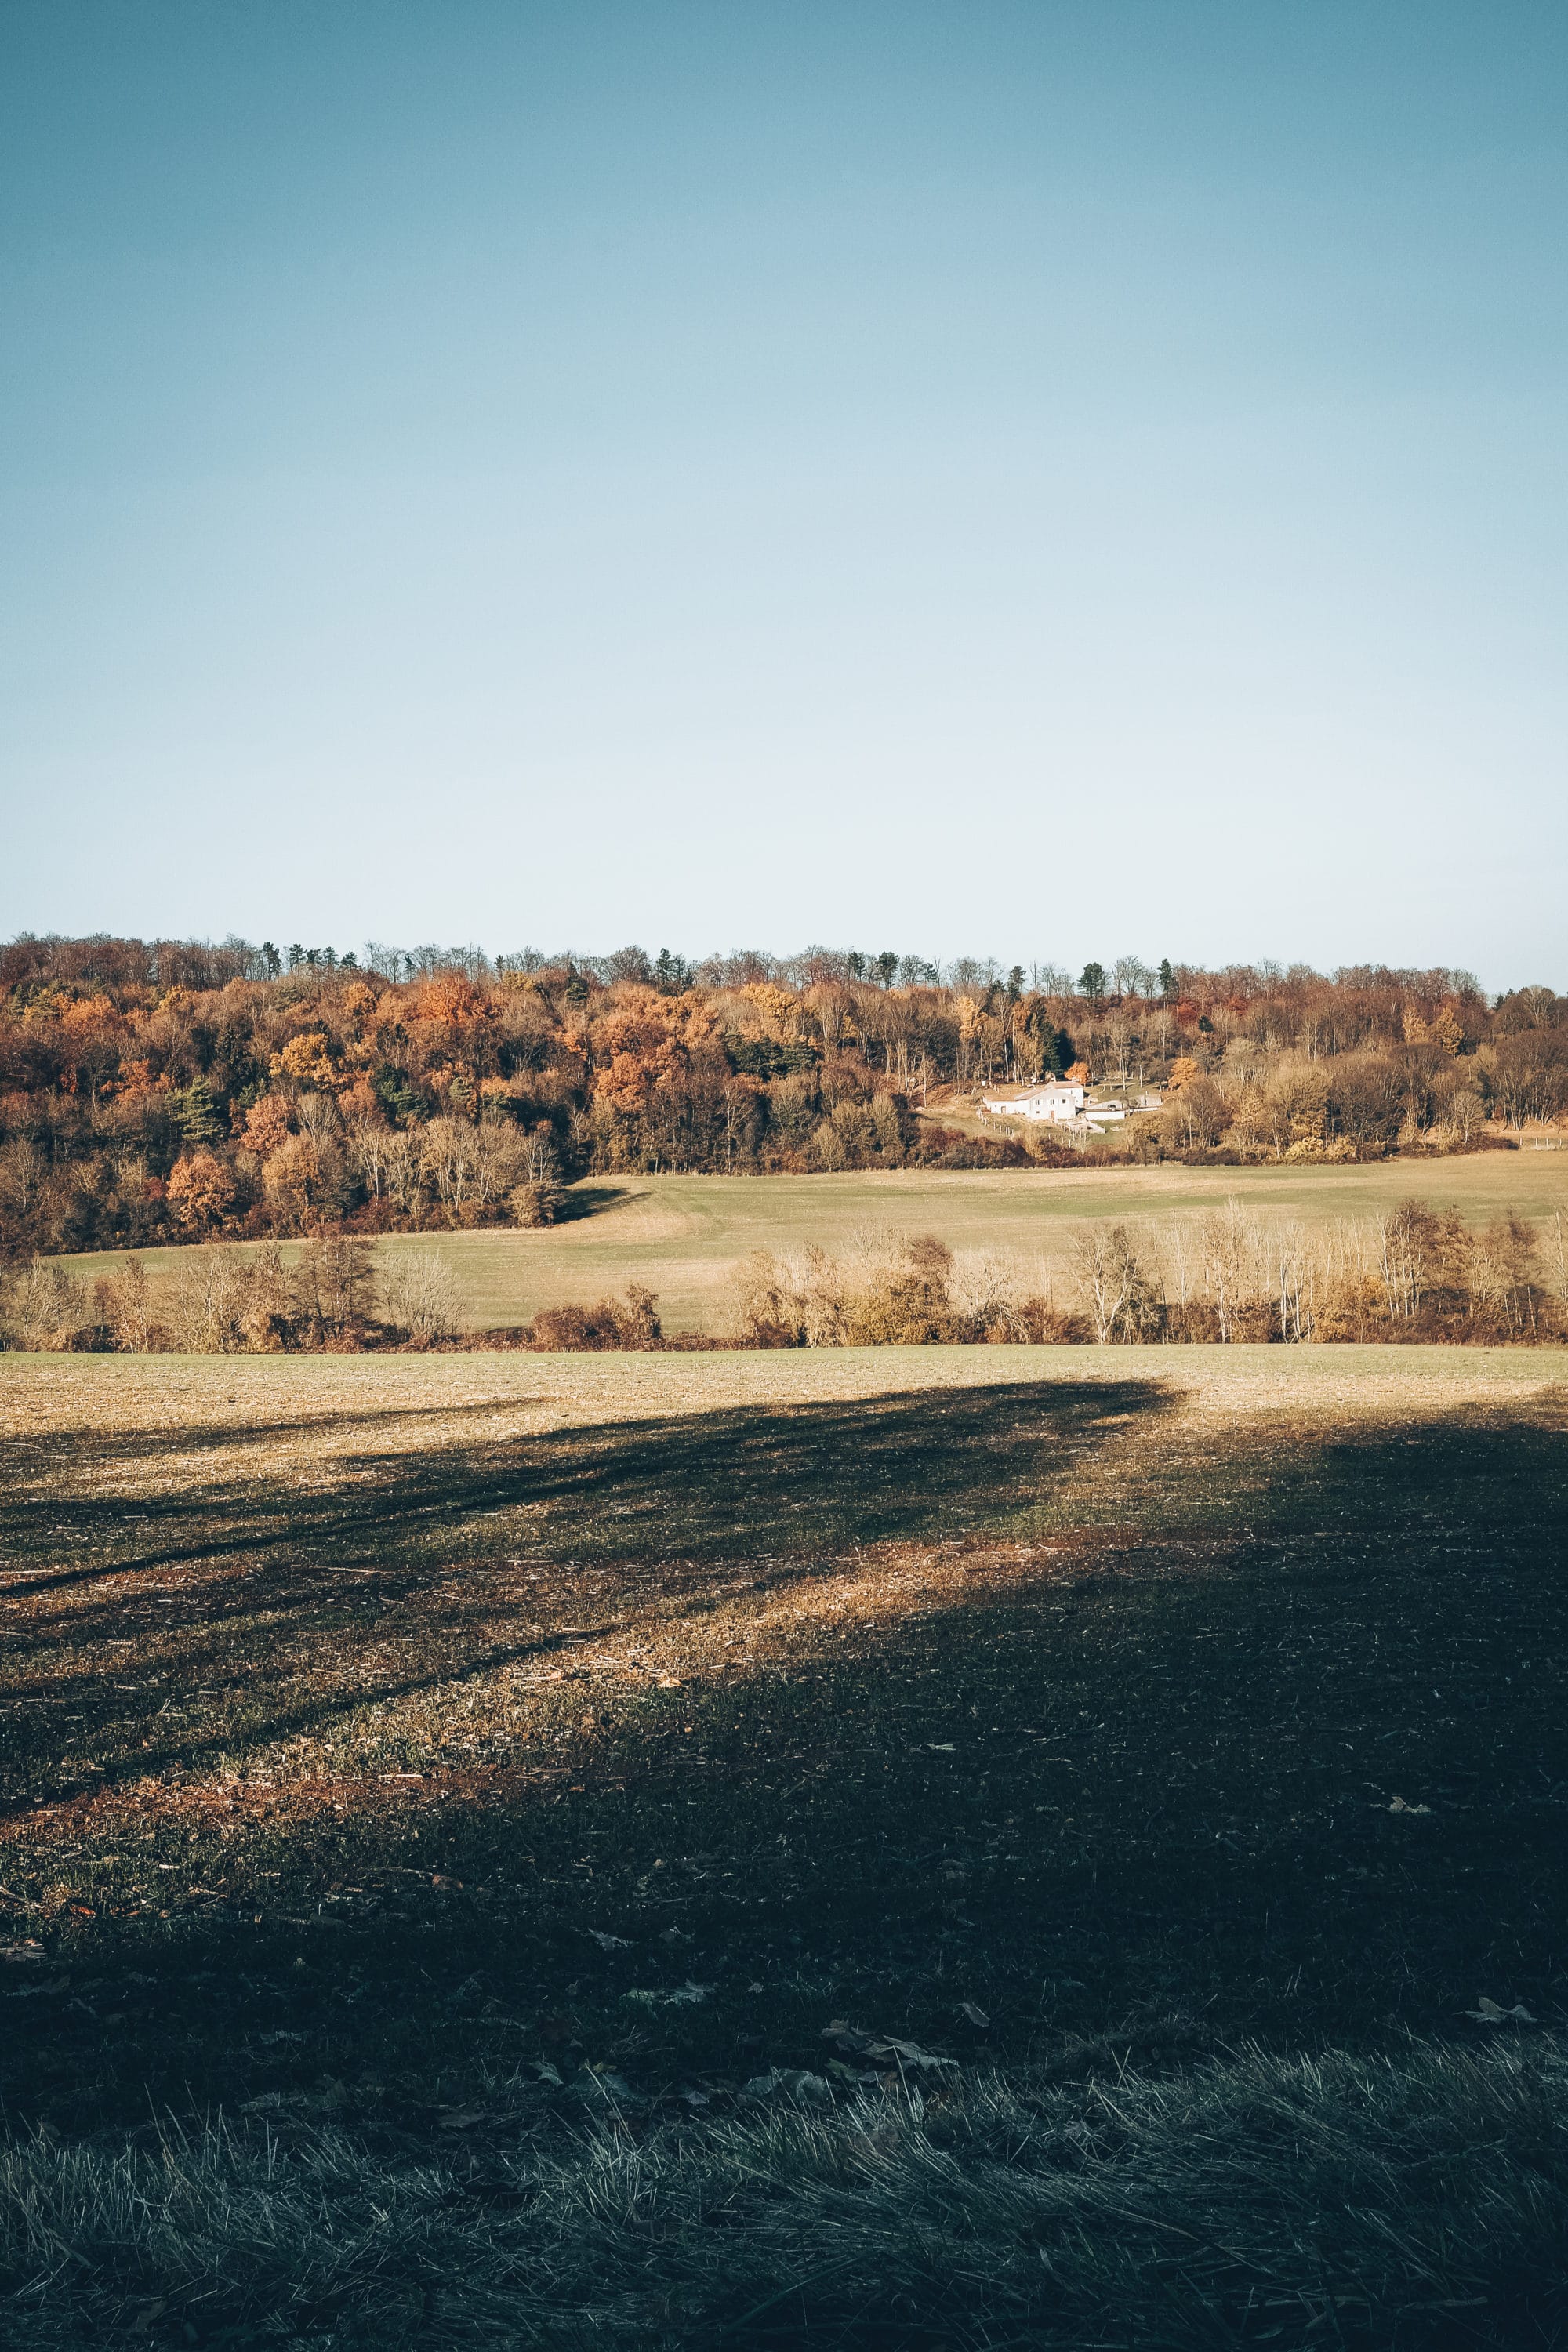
{"x": 160, "y": 1092}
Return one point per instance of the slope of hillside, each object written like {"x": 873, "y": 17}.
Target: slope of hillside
{"x": 684, "y": 1236}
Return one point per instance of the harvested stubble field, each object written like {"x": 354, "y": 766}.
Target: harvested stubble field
{"x": 683, "y": 1236}
{"x": 477, "y": 1771}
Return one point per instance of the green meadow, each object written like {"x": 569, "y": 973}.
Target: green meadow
{"x": 682, "y": 1236}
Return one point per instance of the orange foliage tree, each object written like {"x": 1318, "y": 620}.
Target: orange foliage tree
{"x": 202, "y": 1191}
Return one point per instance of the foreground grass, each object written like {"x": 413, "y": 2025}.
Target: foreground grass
{"x": 1415, "y": 2201}
{"x": 428, "y": 1761}
{"x": 684, "y": 1235}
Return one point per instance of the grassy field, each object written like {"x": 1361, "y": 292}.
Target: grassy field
{"x": 683, "y": 1235}
{"x": 629, "y": 1843}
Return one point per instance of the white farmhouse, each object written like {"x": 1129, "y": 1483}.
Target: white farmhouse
{"x": 1057, "y": 1100}
{"x": 1063, "y": 1104}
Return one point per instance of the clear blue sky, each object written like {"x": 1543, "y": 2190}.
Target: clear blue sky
{"x": 1047, "y": 480}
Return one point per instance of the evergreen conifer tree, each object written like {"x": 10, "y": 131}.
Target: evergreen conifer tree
{"x": 195, "y": 1113}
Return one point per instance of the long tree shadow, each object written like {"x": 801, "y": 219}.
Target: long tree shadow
{"x": 699, "y": 1485}
{"x": 1307, "y": 1781}
{"x": 748, "y": 1492}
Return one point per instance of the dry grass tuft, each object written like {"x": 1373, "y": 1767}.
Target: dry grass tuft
{"x": 1417, "y": 2200}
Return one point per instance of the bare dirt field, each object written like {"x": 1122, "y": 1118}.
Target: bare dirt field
{"x": 684, "y": 1235}
{"x": 429, "y": 1747}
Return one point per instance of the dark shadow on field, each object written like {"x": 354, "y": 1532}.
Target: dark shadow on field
{"x": 719, "y": 1484}
{"x": 1136, "y": 1798}
{"x": 752, "y": 1496}
{"x": 585, "y": 1199}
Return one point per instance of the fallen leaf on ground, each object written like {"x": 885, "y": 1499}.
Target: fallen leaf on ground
{"x": 794, "y": 2079}
{"x": 977, "y": 2016}
{"x": 856, "y": 2075}
{"x": 683, "y": 1997}
{"x": 881, "y": 2045}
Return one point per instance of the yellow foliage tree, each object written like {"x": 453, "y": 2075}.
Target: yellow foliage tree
{"x": 776, "y": 1007}
{"x": 308, "y": 1059}
{"x": 292, "y": 1179}
{"x": 1447, "y": 1030}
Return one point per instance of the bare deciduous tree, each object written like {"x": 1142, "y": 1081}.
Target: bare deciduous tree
{"x": 420, "y": 1294}
{"x": 1115, "y": 1289}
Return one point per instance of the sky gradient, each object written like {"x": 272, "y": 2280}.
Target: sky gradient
{"x": 1045, "y": 481}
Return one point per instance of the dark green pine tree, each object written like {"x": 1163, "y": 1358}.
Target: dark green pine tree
{"x": 195, "y": 1113}
{"x": 1167, "y": 977}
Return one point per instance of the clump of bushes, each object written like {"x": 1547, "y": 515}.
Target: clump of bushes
{"x": 228, "y": 1301}
{"x": 220, "y": 1301}
{"x": 536, "y": 1202}
{"x": 950, "y": 1147}
{"x": 1416, "y": 1275}
{"x": 615, "y": 1323}
{"x": 909, "y": 1294}
{"x": 48, "y": 1309}
{"x": 419, "y": 1297}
